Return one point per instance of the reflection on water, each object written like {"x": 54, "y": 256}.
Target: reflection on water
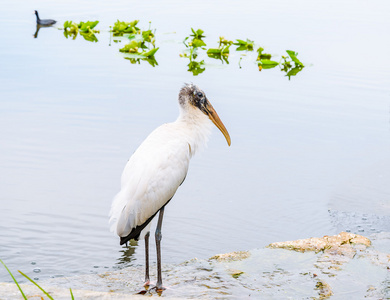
{"x": 127, "y": 253}
{"x": 38, "y": 27}
{"x": 151, "y": 60}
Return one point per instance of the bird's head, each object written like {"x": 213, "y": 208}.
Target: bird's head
{"x": 192, "y": 97}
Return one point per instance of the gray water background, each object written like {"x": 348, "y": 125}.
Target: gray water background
{"x": 304, "y": 152}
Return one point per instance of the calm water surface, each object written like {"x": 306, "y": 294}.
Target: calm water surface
{"x": 305, "y": 153}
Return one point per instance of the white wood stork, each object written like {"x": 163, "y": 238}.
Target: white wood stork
{"x": 158, "y": 167}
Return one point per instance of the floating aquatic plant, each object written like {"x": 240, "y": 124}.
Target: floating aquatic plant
{"x": 134, "y": 48}
{"x": 139, "y": 49}
{"x": 261, "y": 55}
{"x": 122, "y": 27}
{"x": 88, "y": 27}
{"x": 222, "y": 52}
{"x": 196, "y": 67}
{"x": 142, "y": 47}
{"x": 267, "y": 64}
{"x": 137, "y": 60}
{"x": 293, "y": 55}
{"x": 197, "y": 40}
{"x": 264, "y": 60}
{"x": 290, "y": 64}
{"x": 287, "y": 65}
{"x": 244, "y": 45}
{"x": 86, "y": 30}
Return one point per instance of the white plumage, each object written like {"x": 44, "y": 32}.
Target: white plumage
{"x": 154, "y": 172}
{"x": 160, "y": 164}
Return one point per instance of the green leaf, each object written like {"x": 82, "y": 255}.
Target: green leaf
{"x": 265, "y": 56}
{"x": 132, "y": 47}
{"x": 71, "y": 27}
{"x": 17, "y": 284}
{"x": 218, "y": 51}
{"x": 198, "y": 43}
{"x": 148, "y": 36}
{"x": 294, "y": 71}
{"x": 121, "y": 27}
{"x": 286, "y": 64}
{"x": 137, "y": 55}
{"x": 71, "y": 294}
{"x": 90, "y": 37}
{"x": 67, "y": 24}
{"x": 87, "y": 26}
{"x": 215, "y": 55}
{"x": 225, "y": 51}
{"x": 268, "y": 64}
{"x": 214, "y": 51}
{"x": 93, "y": 24}
{"x": 85, "y": 29}
{"x": 136, "y": 58}
{"x": 197, "y": 34}
{"x": 133, "y": 60}
{"x": 294, "y": 58}
{"x": 150, "y": 53}
{"x": 139, "y": 39}
{"x": 196, "y": 67}
{"x": 219, "y": 55}
{"x": 151, "y": 60}
{"x": 241, "y": 48}
{"x": 37, "y": 285}
{"x": 240, "y": 42}
{"x": 223, "y": 41}
{"x": 244, "y": 45}
{"x": 262, "y": 55}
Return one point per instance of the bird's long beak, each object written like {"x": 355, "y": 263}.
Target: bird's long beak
{"x": 213, "y": 116}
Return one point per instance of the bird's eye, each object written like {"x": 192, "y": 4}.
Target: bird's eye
{"x": 200, "y": 95}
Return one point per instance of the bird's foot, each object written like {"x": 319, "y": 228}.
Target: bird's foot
{"x": 159, "y": 289}
{"x": 147, "y": 284}
{"x": 149, "y": 290}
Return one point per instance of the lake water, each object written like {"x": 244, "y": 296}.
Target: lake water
{"x": 309, "y": 156}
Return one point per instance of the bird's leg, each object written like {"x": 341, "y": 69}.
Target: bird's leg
{"x": 158, "y": 235}
{"x": 147, "y": 281}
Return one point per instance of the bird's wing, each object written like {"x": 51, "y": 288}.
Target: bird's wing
{"x": 150, "y": 179}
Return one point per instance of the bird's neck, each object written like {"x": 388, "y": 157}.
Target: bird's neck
{"x": 36, "y": 13}
{"x": 196, "y": 127}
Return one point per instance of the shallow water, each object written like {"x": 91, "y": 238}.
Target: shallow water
{"x": 260, "y": 274}
{"x": 303, "y": 151}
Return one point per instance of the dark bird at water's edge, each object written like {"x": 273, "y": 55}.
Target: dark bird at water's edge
{"x": 44, "y": 22}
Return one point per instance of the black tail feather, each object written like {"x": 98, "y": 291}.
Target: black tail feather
{"x": 135, "y": 233}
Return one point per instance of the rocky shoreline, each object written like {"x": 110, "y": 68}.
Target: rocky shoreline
{"x": 338, "y": 267}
